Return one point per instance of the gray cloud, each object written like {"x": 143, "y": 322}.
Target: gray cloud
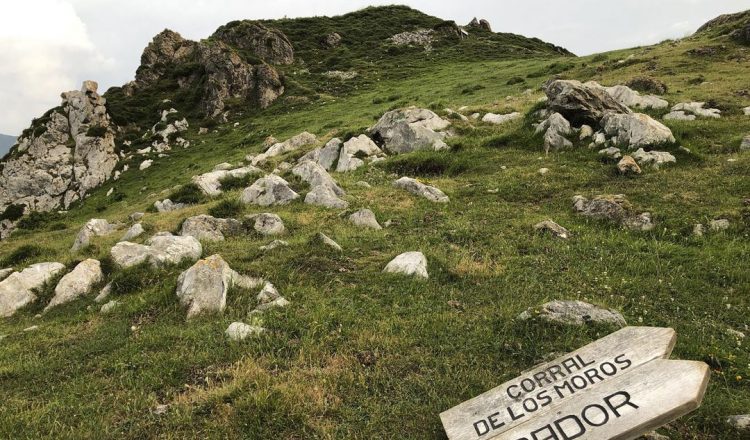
{"x": 103, "y": 39}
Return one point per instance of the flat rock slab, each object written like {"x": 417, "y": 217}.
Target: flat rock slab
{"x": 573, "y": 313}
{"x": 160, "y": 250}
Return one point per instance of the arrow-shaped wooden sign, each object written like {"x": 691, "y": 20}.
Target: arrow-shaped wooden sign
{"x": 624, "y": 408}
{"x": 546, "y": 388}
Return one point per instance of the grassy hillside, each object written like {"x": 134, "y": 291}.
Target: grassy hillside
{"x": 362, "y": 354}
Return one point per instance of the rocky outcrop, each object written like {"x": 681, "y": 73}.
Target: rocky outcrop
{"x": 332, "y": 40}
{"x": 581, "y": 103}
{"x": 214, "y": 66}
{"x": 17, "y": 290}
{"x": 268, "y": 44}
{"x": 480, "y": 24}
{"x": 62, "y": 157}
{"x": 326, "y": 156}
{"x": 410, "y": 129}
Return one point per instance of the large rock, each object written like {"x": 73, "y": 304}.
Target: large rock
{"x": 326, "y": 156}
{"x": 210, "y": 183}
{"x": 212, "y": 67}
{"x": 17, "y": 290}
{"x": 160, "y": 250}
{"x": 632, "y": 99}
{"x": 410, "y": 129}
{"x": 420, "y": 189}
{"x": 279, "y": 148}
{"x": 315, "y": 175}
{"x": 635, "y": 130}
{"x": 353, "y": 152}
{"x": 574, "y": 313}
{"x": 555, "y": 129}
{"x": 409, "y": 263}
{"x": 581, "y": 103}
{"x": 326, "y": 197}
{"x": 268, "y": 44}
{"x": 268, "y": 190}
{"x": 96, "y": 227}
{"x": 78, "y": 282}
{"x": 203, "y": 287}
{"x": 63, "y": 156}
{"x": 206, "y": 227}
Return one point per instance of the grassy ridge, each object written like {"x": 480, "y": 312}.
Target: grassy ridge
{"x": 361, "y": 354}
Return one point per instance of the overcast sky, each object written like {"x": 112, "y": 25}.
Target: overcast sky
{"x": 49, "y": 46}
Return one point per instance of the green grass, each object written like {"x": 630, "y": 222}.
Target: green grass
{"x": 362, "y": 354}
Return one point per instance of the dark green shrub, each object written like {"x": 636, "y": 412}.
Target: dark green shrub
{"x": 40, "y": 220}
{"x": 226, "y": 209}
{"x": 13, "y": 212}
{"x": 230, "y": 183}
{"x": 96, "y": 131}
{"x": 189, "y": 194}
{"x": 426, "y": 164}
{"x": 22, "y": 255}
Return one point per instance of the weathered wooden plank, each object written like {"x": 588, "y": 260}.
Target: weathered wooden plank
{"x": 624, "y": 408}
{"x": 544, "y": 387}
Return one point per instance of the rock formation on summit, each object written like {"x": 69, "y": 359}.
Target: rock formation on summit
{"x": 215, "y": 66}
{"x": 61, "y": 157}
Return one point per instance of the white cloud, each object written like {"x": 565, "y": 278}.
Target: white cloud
{"x": 48, "y": 46}
{"x": 44, "y": 48}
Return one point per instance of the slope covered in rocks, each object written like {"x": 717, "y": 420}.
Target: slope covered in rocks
{"x": 365, "y": 253}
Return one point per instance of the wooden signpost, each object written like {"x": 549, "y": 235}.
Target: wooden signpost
{"x": 618, "y": 387}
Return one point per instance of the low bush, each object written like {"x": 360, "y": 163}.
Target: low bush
{"x": 189, "y": 194}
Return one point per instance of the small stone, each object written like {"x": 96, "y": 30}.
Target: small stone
{"x": 574, "y": 313}
{"x": 145, "y": 164}
{"x": 552, "y": 228}
{"x": 740, "y": 422}
{"x": 104, "y": 293}
{"x": 134, "y": 231}
{"x": 543, "y": 171}
{"x": 326, "y": 240}
{"x": 237, "y": 331}
{"x": 699, "y": 230}
{"x": 106, "y": 308}
{"x": 611, "y": 152}
{"x": 160, "y": 410}
{"x": 273, "y": 245}
{"x": 721, "y": 224}
{"x": 745, "y": 145}
{"x": 136, "y": 216}
{"x": 493, "y": 118}
{"x": 365, "y": 218}
{"x": 267, "y": 223}
{"x": 363, "y": 184}
{"x": 654, "y": 158}
{"x": 420, "y": 189}
{"x": 628, "y": 165}
{"x": 408, "y": 263}
{"x": 586, "y": 132}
